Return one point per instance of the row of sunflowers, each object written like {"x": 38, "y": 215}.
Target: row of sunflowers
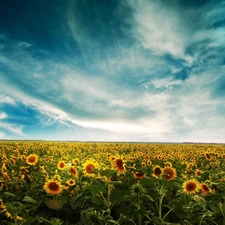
{"x": 111, "y": 183}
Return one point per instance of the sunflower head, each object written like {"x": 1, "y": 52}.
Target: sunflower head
{"x": 73, "y": 171}
{"x": 119, "y": 165}
{"x": 190, "y": 186}
{"x": 75, "y": 161}
{"x": 53, "y": 187}
{"x": 207, "y": 156}
{"x": 205, "y": 189}
{"x": 90, "y": 167}
{"x": 169, "y": 173}
{"x": 198, "y": 172}
{"x": 157, "y": 171}
{"x": 61, "y": 165}
{"x": 168, "y": 164}
{"x": 70, "y": 182}
{"x": 139, "y": 175}
{"x": 32, "y": 159}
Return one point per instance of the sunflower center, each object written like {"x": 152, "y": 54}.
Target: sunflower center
{"x": 61, "y": 165}
{"x": 53, "y": 186}
{"x": 157, "y": 171}
{"x": 139, "y": 174}
{"x": 73, "y": 171}
{"x": 191, "y": 186}
{"x": 119, "y": 163}
{"x": 205, "y": 188}
{"x": 31, "y": 159}
{"x": 89, "y": 168}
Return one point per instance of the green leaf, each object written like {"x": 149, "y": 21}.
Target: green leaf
{"x": 128, "y": 198}
{"x": 96, "y": 188}
{"x": 157, "y": 221}
{"x": 29, "y": 220}
{"x": 11, "y": 209}
{"x": 56, "y": 221}
{"x": 42, "y": 219}
{"x": 98, "y": 201}
{"x": 213, "y": 206}
{"x": 29, "y": 200}
{"x": 77, "y": 201}
{"x": 149, "y": 198}
{"x": 54, "y": 204}
{"x": 9, "y": 194}
{"x": 114, "y": 222}
{"x": 107, "y": 173}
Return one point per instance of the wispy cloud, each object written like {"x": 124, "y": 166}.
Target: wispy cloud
{"x": 2, "y": 135}
{"x": 3, "y": 115}
{"x": 161, "y": 29}
{"x": 12, "y": 128}
{"x": 6, "y": 99}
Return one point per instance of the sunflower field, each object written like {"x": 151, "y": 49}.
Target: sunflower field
{"x": 77, "y": 183}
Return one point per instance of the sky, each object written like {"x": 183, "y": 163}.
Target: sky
{"x": 115, "y": 70}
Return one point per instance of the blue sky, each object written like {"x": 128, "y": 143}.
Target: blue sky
{"x": 115, "y": 70}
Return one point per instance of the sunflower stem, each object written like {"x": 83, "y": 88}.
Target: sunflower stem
{"x": 162, "y": 194}
{"x": 160, "y": 207}
{"x": 108, "y": 198}
{"x": 139, "y": 207}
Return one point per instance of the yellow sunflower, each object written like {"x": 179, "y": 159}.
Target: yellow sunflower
{"x": 157, "y": 171}
{"x": 53, "y": 187}
{"x": 139, "y": 175}
{"x": 73, "y": 171}
{"x": 190, "y": 186}
{"x": 205, "y": 189}
{"x": 75, "y": 161}
{"x": 198, "y": 172}
{"x": 32, "y": 159}
{"x": 61, "y": 165}
{"x": 169, "y": 173}
{"x": 168, "y": 164}
{"x": 89, "y": 167}
{"x": 70, "y": 182}
{"x": 207, "y": 156}
{"x": 119, "y": 165}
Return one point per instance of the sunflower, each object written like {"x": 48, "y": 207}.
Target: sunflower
{"x": 89, "y": 166}
{"x": 119, "y": 165}
{"x": 198, "y": 172}
{"x": 53, "y": 187}
{"x": 149, "y": 162}
{"x": 73, "y": 171}
{"x": 190, "y": 186}
{"x": 157, "y": 171}
{"x": 61, "y": 165}
{"x": 168, "y": 164}
{"x": 169, "y": 173}
{"x": 32, "y": 159}
{"x": 70, "y": 182}
{"x": 207, "y": 156}
{"x": 139, "y": 175}
{"x": 205, "y": 188}
{"x": 75, "y": 161}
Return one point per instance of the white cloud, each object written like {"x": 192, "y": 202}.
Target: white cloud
{"x": 2, "y": 135}
{"x": 12, "y": 128}
{"x": 24, "y": 44}
{"x": 6, "y": 99}
{"x": 161, "y": 29}
{"x": 3, "y": 115}
{"x": 165, "y": 82}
